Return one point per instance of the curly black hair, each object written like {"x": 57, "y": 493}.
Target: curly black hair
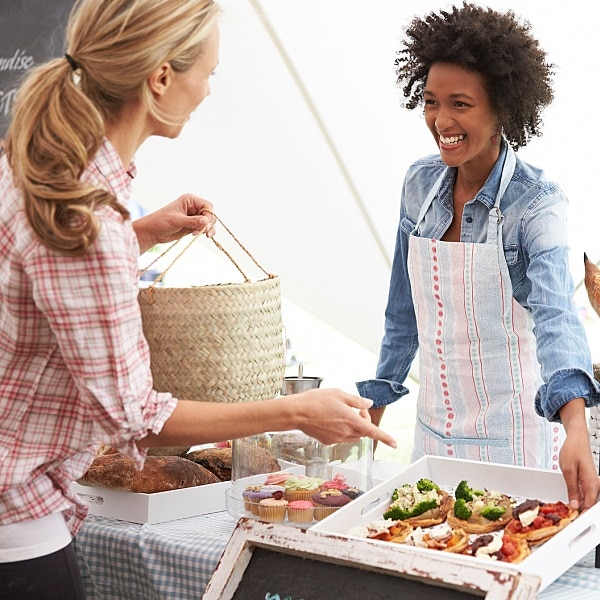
{"x": 496, "y": 45}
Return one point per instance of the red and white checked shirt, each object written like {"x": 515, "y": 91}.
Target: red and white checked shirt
{"x": 74, "y": 363}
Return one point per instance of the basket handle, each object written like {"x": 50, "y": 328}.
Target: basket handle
{"x": 161, "y": 275}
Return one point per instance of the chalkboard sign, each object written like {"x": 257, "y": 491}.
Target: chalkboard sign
{"x": 265, "y": 561}
{"x": 31, "y": 32}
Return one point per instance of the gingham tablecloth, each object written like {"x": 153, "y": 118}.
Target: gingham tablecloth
{"x": 126, "y": 561}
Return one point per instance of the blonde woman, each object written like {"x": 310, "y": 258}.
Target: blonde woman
{"x": 74, "y": 365}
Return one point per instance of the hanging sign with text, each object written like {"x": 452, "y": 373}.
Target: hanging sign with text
{"x": 31, "y": 32}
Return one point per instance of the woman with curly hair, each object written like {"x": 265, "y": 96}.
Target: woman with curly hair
{"x": 74, "y": 363}
{"x": 480, "y": 284}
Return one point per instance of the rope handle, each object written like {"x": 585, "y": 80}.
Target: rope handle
{"x": 161, "y": 275}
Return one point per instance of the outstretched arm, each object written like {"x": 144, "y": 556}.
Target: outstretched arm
{"x": 328, "y": 415}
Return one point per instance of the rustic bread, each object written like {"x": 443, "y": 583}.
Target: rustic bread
{"x": 216, "y": 460}
{"x": 256, "y": 460}
{"x": 160, "y": 474}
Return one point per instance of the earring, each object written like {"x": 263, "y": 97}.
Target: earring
{"x": 496, "y": 136}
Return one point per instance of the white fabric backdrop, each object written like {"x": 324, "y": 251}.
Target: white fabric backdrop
{"x": 317, "y": 201}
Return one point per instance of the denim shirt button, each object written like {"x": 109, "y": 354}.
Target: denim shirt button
{"x": 469, "y": 219}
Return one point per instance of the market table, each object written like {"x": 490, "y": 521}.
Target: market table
{"x": 176, "y": 559}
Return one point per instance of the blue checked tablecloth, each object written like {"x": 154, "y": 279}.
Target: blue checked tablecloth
{"x": 121, "y": 560}
{"x": 126, "y": 561}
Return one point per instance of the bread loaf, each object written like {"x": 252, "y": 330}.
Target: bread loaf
{"x": 216, "y": 460}
{"x": 160, "y": 474}
{"x": 219, "y": 461}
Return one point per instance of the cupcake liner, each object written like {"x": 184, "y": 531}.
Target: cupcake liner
{"x": 300, "y": 515}
{"x": 291, "y": 495}
{"x": 324, "y": 511}
{"x": 271, "y": 514}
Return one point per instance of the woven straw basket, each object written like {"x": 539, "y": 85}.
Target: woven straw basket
{"x": 216, "y": 343}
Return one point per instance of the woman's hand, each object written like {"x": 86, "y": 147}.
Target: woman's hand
{"x": 576, "y": 459}
{"x": 187, "y": 214}
{"x": 331, "y": 416}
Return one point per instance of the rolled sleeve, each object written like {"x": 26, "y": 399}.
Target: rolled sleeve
{"x": 381, "y": 391}
{"x": 563, "y": 387}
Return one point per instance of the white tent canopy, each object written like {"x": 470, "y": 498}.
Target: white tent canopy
{"x": 303, "y": 145}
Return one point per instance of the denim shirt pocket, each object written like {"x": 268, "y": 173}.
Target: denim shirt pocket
{"x": 516, "y": 267}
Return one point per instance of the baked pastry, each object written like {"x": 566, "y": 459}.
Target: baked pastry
{"x": 536, "y": 522}
{"x": 300, "y": 511}
{"x": 273, "y": 509}
{"x": 253, "y": 494}
{"x": 439, "y": 537}
{"x": 423, "y": 504}
{"x": 327, "y": 502}
{"x": 387, "y": 530}
{"x": 499, "y": 546}
{"x": 301, "y": 487}
{"x": 216, "y": 460}
{"x": 337, "y": 482}
{"x": 160, "y": 474}
{"x": 479, "y": 511}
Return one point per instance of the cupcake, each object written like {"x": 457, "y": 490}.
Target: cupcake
{"x": 327, "y": 502}
{"x": 253, "y": 494}
{"x": 277, "y": 478}
{"x": 273, "y": 509}
{"x": 300, "y": 511}
{"x": 301, "y": 488}
{"x": 352, "y": 492}
{"x": 337, "y": 483}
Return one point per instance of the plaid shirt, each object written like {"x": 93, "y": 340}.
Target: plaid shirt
{"x": 74, "y": 363}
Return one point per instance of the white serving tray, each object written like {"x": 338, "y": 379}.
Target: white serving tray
{"x": 154, "y": 508}
{"x": 548, "y": 561}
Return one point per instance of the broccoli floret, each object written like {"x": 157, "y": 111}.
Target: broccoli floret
{"x": 466, "y": 492}
{"x": 396, "y": 512}
{"x": 461, "y": 510}
{"x": 426, "y": 485}
{"x": 491, "y": 512}
{"x": 463, "y": 491}
{"x": 395, "y": 494}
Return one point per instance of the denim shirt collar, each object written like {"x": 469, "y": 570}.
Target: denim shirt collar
{"x": 487, "y": 194}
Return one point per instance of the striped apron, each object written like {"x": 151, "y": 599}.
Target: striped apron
{"x": 477, "y": 353}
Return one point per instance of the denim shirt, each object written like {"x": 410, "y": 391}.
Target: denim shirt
{"x": 536, "y": 252}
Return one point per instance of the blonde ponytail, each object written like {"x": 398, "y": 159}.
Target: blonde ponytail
{"x": 55, "y": 131}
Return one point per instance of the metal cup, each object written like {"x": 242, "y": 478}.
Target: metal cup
{"x": 296, "y": 385}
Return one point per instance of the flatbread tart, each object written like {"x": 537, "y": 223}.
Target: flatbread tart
{"x": 423, "y": 504}
{"x": 536, "y": 522}
{"x": 396, "y": 532}
{"x": 499, "y": 546}
{"x": 479, "y": 511}
{"x": 439, "y": 537}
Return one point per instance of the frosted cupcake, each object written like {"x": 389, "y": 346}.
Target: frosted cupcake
{"x": 337, "y": 483}
{"x": 273, "y": 509}
{"x": 253, "y": 494}
{"x": 352, "y": 492}
{"x": 300, "y": 511}
{"x": 278, "y": 478}
{"x": 301, "y": 488}
{"x": 327, "y": 502}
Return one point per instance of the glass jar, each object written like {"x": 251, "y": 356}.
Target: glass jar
{"x": 295, "y": 452}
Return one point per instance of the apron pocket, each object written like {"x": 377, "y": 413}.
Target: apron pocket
{"x": 463, "y": 441}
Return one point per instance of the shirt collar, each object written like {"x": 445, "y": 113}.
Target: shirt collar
{"x": 107, "y": 164}
{"x": 489, "y": 191}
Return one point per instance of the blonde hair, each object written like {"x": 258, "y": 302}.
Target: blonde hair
{"x": 61, "y": 108}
